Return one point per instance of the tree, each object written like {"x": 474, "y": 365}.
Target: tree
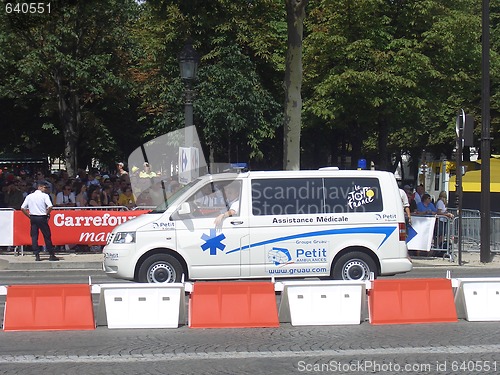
{"x": 70, "y": 58}
{"x": 236, "y": 109}
{"x": 234, "y": 106}
{"x": 295, "y": 14}
{"x": 385, "y": 76}
{"x": 381, "y": 78}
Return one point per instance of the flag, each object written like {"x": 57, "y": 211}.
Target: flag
{"x": 420, "y": 233}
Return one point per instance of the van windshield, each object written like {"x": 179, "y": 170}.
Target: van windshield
{"x": 172, "y": 197}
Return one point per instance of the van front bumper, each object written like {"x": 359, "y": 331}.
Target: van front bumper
{"x": 118, "y": 261}
{"x": 110, "y": 270}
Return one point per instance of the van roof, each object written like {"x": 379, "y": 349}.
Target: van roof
{"x": 301, "y": 173}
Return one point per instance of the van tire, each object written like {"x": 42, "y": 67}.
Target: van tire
{"x": 160, "y": 268}
{"x": 354, "y": 265}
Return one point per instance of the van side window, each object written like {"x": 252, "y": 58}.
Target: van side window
{"x": 343, "y": 195}
{"x": 207, "y": 201}
{"x": 215, "y": 198}
{"x": 231, "y": 194}
{"x": 287, "y": 196}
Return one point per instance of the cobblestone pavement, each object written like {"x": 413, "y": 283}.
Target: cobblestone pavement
{"x": 453, "y": 348}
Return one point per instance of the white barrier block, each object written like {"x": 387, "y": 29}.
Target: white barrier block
{"x": 457, "y": 284}
{"x": 481, "y": 301}
{"x": 7, "y": 227}
{"x": 322, "y": 303}
{"x": 143, "y": 308}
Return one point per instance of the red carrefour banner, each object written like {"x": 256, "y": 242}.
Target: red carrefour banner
{"x": 90, "y": 227}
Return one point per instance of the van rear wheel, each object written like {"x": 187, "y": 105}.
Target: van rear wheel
{"x": 160, "y": 268}
{"x": 354, "y": 266}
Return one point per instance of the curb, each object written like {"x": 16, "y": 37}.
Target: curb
{"x": 47, "y": 265}
{"x": 453, "y": 265}
{"x": 469, "y": 260}
{"x": 66, "y": 262}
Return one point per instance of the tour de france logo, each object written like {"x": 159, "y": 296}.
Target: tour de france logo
{"x": 360, "y": 197}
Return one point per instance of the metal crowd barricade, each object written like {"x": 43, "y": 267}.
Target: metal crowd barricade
{"x": 94, "y": 208}
{"x": 471, "y": 230}
{"x": 144, "y": 208}
{"x": 471, "y": 234}
{"x": 442, "y": 239}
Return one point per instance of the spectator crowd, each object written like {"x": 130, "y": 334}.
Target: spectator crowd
{"x": 93, "y": 188}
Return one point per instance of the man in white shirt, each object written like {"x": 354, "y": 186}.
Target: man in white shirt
{"x": 406, "y": 206}
{"x": 37, "y": 207}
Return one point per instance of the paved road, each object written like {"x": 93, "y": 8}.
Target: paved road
{"x": 10, "y": 277}
{"x": 452, "y": 348}
{"x": 68, "y": 276}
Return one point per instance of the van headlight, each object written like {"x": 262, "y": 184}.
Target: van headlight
{"x": 124, "y": 237}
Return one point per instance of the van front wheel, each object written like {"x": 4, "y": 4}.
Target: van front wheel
{"x": 160, "y": 268}
{"x": 354, "y": 266}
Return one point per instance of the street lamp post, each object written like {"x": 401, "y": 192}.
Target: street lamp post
{"x": 485, "y": 253}
{"x": 458, "y": 181}
{"x": 188, "y": 63}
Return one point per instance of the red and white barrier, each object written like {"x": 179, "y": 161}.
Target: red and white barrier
{"x": 243, "y": 304}
{"x": 6, "y": 227}
{"x": 89, "y": 227}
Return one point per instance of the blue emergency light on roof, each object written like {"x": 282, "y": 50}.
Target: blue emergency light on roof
{"x": 239, "y": 166}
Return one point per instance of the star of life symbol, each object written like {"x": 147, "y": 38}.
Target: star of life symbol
{"x": 213, "y": 242}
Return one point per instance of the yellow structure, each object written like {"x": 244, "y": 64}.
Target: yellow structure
{"x": 471, "y": 180}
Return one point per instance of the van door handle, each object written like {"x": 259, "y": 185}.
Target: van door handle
{"x": 236, "y": 222}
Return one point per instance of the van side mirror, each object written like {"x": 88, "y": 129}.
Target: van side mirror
{"x": 184, "y": 209}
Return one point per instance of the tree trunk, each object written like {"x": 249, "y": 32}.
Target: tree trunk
{"x": 356, "y": 142}
{"x": 211, "y": 159}
{"x": 69, "y": 115}
{"x": 295, "y": 12}
{"x": 383, "y": 137}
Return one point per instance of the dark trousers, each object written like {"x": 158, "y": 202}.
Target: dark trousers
{"x": 40, "y": 223}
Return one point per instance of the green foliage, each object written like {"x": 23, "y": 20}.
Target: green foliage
{"x": 237, "y": 91}
{"x": 398, "y": 70}
{"x": 72, "y": 59}
{"x": 232, "y": 102}
{"x": 381, "y": 77}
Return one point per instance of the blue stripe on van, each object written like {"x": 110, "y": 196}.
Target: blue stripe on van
{"x": 366, "y": 230}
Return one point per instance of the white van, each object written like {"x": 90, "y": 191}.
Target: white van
{"x": 326, "y": 223}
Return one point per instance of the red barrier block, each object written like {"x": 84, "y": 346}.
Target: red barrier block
{"x": 408, "y": 301}
{"x": 233, "y": 305}
{"x": 48, "y": 307}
